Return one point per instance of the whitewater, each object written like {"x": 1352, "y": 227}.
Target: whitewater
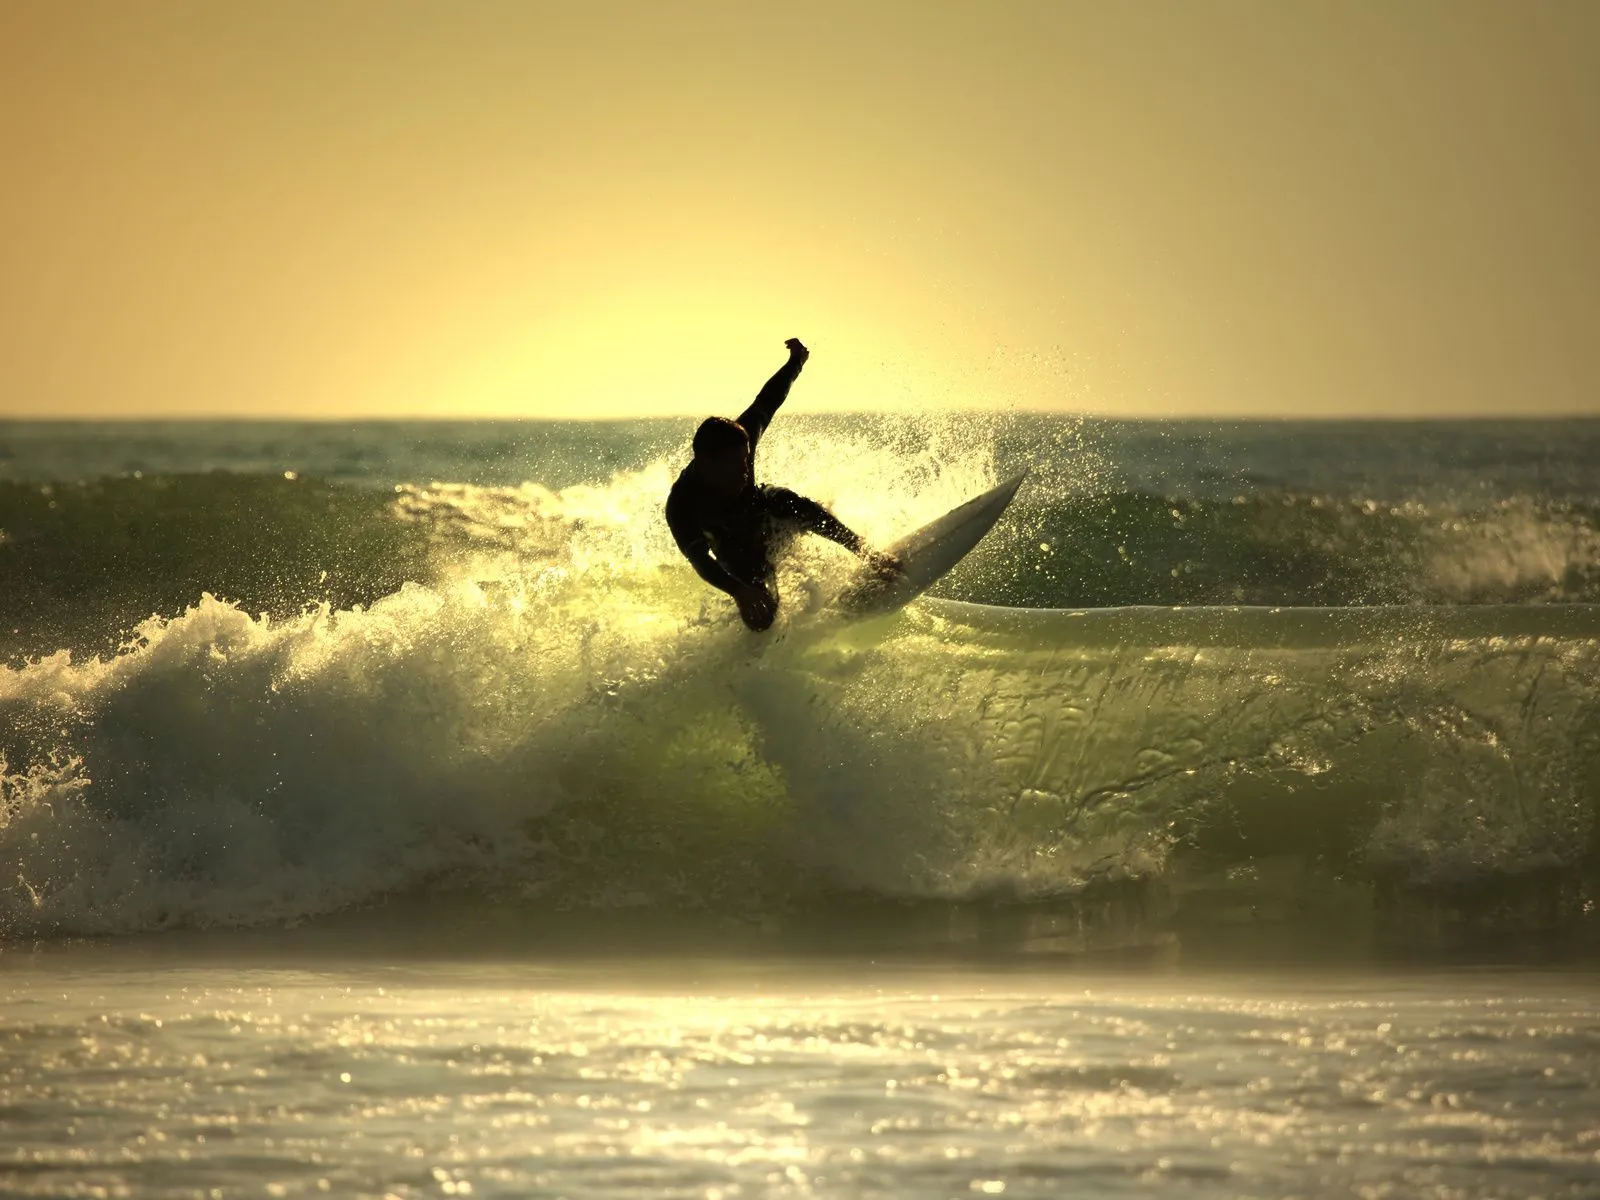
{"x": 388, "y": 809}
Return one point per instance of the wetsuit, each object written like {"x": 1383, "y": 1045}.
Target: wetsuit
{"x": 729, "y": 541}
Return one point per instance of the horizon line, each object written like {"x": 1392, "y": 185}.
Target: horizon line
{"x": 1135, "y": 418}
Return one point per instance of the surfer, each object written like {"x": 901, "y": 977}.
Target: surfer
{"x": 727, "y": 525}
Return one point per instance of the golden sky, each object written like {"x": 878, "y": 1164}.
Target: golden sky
{"x": 575, "y": 208}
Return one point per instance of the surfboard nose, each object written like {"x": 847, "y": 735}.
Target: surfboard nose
{"x": 927, "y": 554}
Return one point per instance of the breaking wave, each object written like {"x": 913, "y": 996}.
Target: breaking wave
{"x": 519, "y": 694}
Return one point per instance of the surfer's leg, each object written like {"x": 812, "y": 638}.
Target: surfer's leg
{"x": 810, "y": 516}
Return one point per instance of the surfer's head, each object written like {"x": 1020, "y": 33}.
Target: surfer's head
{"x": 722, "y": 452}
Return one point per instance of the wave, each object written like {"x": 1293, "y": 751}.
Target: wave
{"x": 245, "y": 700}
{"x": 1283, "y": 548}
{"x": 81, "y": 564}
{"x": 233, "y": 770}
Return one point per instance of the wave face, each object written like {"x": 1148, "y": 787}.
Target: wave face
{"x": 517, "y": 692}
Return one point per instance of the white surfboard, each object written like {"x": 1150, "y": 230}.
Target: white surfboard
{"x": 926, "y": 555}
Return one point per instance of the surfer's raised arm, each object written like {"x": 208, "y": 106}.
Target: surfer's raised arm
{"x": 756, "y": 418}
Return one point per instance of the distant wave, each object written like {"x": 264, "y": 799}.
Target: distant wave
{"x": 1283, "y": 549}
{"x": 83, "y": 564}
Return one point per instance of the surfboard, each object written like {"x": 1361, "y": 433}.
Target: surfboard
{"x": 927, "y": 554}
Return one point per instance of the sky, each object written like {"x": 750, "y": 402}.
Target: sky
{"x": 595, "y": 208}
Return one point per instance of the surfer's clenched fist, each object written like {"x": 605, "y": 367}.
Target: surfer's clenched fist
{"x": 727, "y": 526}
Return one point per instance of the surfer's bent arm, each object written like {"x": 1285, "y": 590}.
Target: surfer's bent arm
{"x": 697, "y": 550}
{"x": 758, "y": 416}
{"x": 813, "y": 518}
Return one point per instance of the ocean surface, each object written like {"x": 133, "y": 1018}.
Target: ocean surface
{"x": 386, "y": 809}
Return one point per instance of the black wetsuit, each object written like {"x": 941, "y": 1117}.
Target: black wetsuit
{"x": 729, "y": 542}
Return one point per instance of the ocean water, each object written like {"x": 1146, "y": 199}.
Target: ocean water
{"x": 386, "y": 809}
